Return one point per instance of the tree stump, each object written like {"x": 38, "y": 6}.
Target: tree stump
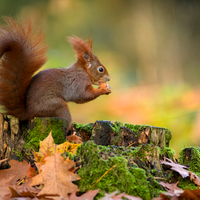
{"x": 115, "y": 133}
{"x": 18, "y": 139}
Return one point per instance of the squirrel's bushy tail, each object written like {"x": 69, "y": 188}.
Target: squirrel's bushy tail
{"x": 21, "y": 55}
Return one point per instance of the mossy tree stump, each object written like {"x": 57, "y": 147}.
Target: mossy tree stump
{"x": 135, "y": 150}
{"x": 17, "y": 139}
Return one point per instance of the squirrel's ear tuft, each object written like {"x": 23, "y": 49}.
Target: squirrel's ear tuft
{"x": 83, "y": 49}
{"x": 89, "y": 42}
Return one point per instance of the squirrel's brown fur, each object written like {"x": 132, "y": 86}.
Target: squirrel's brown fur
{"x": 22, "y": 53}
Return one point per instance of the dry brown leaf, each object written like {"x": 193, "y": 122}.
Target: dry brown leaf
{"x": 18, "y": 170}
{"x": 47, "y": 148}
{"x": 56, "y": 177}
{"x": 4, "y": 189}
{"x": 23, "y": 193}
{"x": 165, "y": 197}
{"x": 190, "y": 194}
{"x": 176, "y": 167}
{"x": 129, "y": 197}
{"x": 26, "y": 187}
{"x": 184, "y": 173}
{"x": 87, "y": 196}
{"x": 172, "y": 189}
{"x": 74, "y": 138}
{"x": 194, "y": 178}
{"x": 186, "y": 195}
{"x": 113, "y": 196}
{"x": 9, "y": 178}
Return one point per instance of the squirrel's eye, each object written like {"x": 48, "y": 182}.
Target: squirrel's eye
{"x": 100, "y": 69}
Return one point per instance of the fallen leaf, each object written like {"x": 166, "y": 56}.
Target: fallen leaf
{"x": 31, "y": 172}
{"x": 4, "y": 189}
{"x": 56, "y": 177}
{"x": 47, "y": 148}
{"x": 194, "y": 178}
{"x": 164, "y": 197}
{"x": 129, "y": 197}
{"x": 18, "y": 170}
{"x": 67, "y": 146}
{"x": 87, "y": 196}
{"x": 113, "y": 196}
{"x": 190, "y": 194}
{"x": 25, "y": 188}
{"x": 184, "y": 173}
{"x": 15, "y": 193}
{"x": 172, "y": 189}
{"x": 74, "y": 138}
{"x": 176, "y": 167}
{"x": 186, "y": 195}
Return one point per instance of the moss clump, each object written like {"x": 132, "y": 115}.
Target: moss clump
{"x": 168, "y": 137}
{"x": 185, "y": 183}
{"x": 116, "y": 126}
{"x": 136, "y": 128}
{"x": 85, "y": 127}
{"x": 39, "y": 133}
{"x": 167, "y": 152}
{"x": 124, "y": 177}
{"x": 191, "y": 156}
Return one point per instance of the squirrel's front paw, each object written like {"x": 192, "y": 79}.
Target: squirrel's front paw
{"x": 105, "y": 87}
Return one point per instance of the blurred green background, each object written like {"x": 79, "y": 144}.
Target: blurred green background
{"x": 150, "y": 47}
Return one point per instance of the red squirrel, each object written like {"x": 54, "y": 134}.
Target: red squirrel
{"x": 26, "y": 96}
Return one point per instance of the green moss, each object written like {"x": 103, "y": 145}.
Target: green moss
{"x": 136, "y": 128}
{"x": 185, "y": 183}
{"x": 143, "y": 150}
{"x": 167, "y": 152}
{"x": 124, "y": 178}
{"x": 19, "y": 155}
{"x": 85, "y": 127}
{"x": 192, "y": 159}
{"x": 168, "y": 137}
{"x": 39, "y": 133}
{"x": 116, "y": 126}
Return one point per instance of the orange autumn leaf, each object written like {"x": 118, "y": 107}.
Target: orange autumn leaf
{"x": 56, "y": 177}
{"x": 31, "y": 172}
{"x": 67, "y": 146}
{"x": 47, "y": 148}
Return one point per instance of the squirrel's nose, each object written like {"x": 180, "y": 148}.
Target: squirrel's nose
{"x": 108, "y": 78}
